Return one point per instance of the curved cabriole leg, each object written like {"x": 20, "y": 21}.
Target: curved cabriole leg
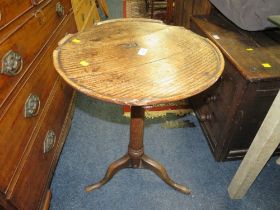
{"x": 159, "y": 169}
{"x": 117, "y": 165}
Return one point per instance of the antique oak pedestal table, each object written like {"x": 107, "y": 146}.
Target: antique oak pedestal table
{"x": 138, "y": 62}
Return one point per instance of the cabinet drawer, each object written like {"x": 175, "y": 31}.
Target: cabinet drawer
{"x": 215, "y": 106}
{"x": 16, "y": 129}
{"x": 226, "y": 89}
{"x": 19, "y": 48}
{"x": 36, "y": 171}
{"x": 13, "y": 9}
{"x": 210, "y": 122}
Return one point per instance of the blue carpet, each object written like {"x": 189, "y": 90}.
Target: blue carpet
{"x": 99, "y": 135}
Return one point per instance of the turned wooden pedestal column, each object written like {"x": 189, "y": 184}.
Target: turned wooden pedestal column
{"x": 138, "y": 62}
{"x": 136, "y": 146}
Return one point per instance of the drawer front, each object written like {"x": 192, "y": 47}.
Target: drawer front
{"x": 210, "y": 122}
{"x": 216, "y": 106}
{"x": 16, "y": 129}
{"x": 37, "y": 170}
{"x": 10, "y": 10}
{"x": 19, "y": 49}
{"x": 224, "y": 96}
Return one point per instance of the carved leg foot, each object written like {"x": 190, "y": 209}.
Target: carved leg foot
{"x": 117, "y": 165}
{"x": 159, "y": 169}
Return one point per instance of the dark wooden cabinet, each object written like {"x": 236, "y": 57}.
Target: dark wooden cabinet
{"x": 35, "y": 104}
{"x": 232, "y": 110}
{"x": 184, "y": 9}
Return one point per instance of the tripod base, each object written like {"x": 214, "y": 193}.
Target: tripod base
{"x": 135, "y": 157}
{"x": 146, "y": 163}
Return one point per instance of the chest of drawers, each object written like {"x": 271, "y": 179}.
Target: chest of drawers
{"x": 35, "y": 104}
{"x": 232, "y": 110}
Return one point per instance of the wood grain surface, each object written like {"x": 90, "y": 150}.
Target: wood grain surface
{"x": 256, "y": 55}
{"x": 106, "y": 62}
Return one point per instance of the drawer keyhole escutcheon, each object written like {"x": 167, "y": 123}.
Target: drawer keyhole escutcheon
{"x": 32, "y": 106}
{"x": 59, "y": 9}
{"x": 11, "y": 63}
{"x": 49, "y": 141}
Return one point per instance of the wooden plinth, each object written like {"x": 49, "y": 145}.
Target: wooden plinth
{"x": 135, "y": 157}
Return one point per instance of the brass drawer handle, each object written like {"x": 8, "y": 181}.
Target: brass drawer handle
{"x": 59, "y": 9}
{"x": 11, "y": 63}
{"x": 49, "y": 141}
{"x": 32, "y": 106}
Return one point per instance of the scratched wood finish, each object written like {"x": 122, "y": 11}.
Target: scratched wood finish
{"x": 236, "y": 43}
{"x": 177, "y": 64}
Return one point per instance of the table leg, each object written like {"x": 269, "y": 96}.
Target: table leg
{"x": 135, "y": 158}
{"x": 159, "y": 169}
{"x": 111, "y": 171}
{"x": 135, "y": 146}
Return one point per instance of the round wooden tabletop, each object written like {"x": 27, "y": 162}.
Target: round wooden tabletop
{"x": 138, "y": 62}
